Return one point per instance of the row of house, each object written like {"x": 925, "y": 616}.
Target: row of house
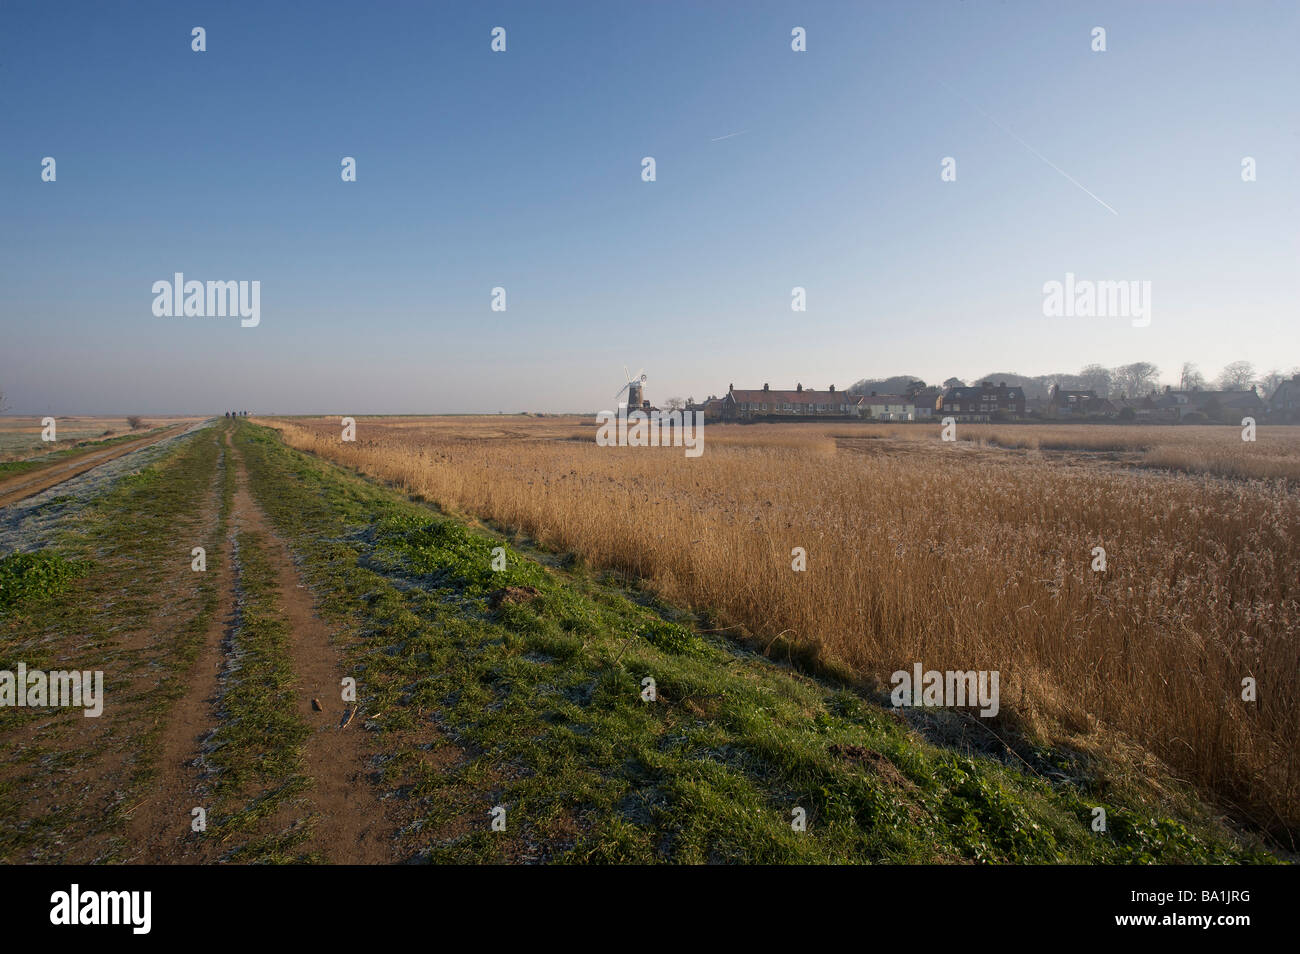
{"x": 988, "y": 401}
{"x": 1174, "y": 406}
{"x": 1170, "y": 406}
{"x": 983, "y": 402}
{"x": 810, "y": 404}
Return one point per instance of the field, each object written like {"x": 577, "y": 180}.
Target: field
{"x": 560, "y": 652}
{"x": 20, "y": 437}
{"x": 976, "y": 554}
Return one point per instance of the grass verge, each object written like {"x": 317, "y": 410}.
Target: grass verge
{"x": 132, "y": 609}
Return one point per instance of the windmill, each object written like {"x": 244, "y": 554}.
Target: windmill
{"x": 635, "y": 389}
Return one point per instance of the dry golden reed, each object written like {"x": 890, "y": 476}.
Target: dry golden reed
{"x": 966, "y": 555}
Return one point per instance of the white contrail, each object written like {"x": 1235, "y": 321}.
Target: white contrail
{"x": 729, "y": 135}
{"x": 1071, "y": 178}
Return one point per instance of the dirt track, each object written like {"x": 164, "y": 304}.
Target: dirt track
{"x": 350, "y": 826}
{"x": 21, "y": 486}
{"x": 348, "y": 823}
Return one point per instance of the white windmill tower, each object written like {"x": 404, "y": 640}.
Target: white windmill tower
{"x": 635, "y": 389}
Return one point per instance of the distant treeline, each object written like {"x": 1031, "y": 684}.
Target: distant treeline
{"x": 1130, "y": 380}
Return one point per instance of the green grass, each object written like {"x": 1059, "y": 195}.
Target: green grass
{"x": 534, "y": 703}
{"x": 36, "y": 576}
{"x": 124, "y": 548}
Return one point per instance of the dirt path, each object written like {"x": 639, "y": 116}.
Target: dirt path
{"x": 349, "y": 821}
{"x": 21, "y": 486}
{"x": 160, "y": 825}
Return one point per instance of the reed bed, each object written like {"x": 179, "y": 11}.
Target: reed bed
{"x": 962, "y": 555}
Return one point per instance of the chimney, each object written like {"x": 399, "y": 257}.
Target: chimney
{"x": 764, "y": 385}
{"x": 832, "y": 389}
{"x": 730, "y": 388}
{"x": 798, "y": 387}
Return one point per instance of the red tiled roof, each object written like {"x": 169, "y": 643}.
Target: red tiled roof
{"x": 793, "y": 397}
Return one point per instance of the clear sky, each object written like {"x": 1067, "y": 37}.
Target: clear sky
{"x": 522, "y": 169}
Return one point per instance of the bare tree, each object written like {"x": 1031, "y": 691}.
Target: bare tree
{"x": 1096, "y": 378}
{"x": 1191, "y": 377}
{"x": 1137, "y": 378}
{"x": 1238, "y": 376}
{"x": 675, "y": 403}
{"x": 1067, "y": 382}
{"x": 954, "y": 383}
{"x": 1269, "y": 382}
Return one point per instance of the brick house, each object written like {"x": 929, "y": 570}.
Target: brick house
{"x": 766, "y": 404}
{"x": 1284, "y": 405}
{"x": 982, "y": 402}
{"x": 1221, "y": 407}
{"x": 710, "y": 408}
{"x": 1076, "y": 404}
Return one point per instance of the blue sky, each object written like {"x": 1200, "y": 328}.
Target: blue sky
{"x": 522, "y": 169}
